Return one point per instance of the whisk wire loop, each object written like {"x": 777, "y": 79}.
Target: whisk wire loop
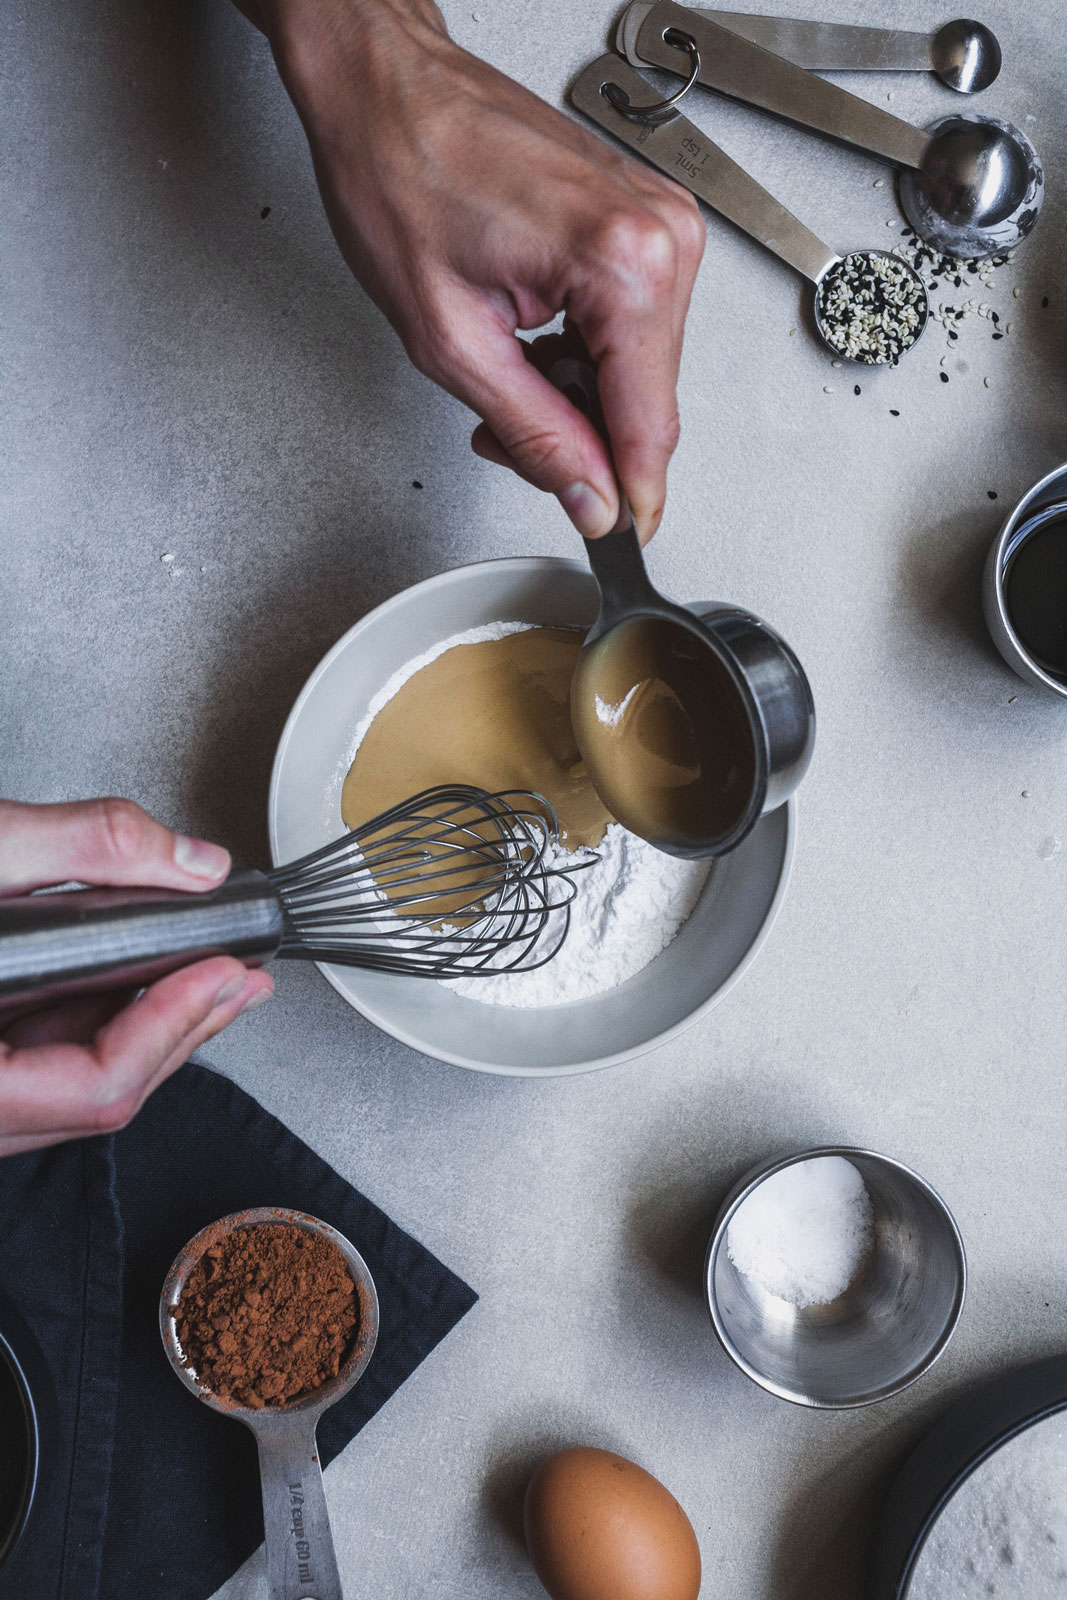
{"x": 451, "y": 883}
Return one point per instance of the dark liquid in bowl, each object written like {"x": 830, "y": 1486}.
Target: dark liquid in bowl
{"x": 1035, "y": 592}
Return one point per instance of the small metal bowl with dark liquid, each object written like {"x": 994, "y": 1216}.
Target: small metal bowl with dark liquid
{"x": 1024, "y": 590}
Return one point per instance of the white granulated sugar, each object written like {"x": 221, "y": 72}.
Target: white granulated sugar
{"x": 803, "y": 1232}
{"x": 628, "y": 908}
{"x": 1004, "y": 1532}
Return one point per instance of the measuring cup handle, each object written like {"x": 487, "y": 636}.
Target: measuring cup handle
{"x": 615, "y": 557}
{"x": 301, "y": 1564}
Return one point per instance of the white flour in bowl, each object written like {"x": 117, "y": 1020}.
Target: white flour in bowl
{"x": 628, "y": 908}
{"x": 1004, "y": 1531}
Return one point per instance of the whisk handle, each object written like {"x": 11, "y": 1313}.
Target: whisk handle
{"x": 88, "y": 941}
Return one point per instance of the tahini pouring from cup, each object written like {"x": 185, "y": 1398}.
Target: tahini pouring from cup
{"x": 692, "y": 722}
{"x": 301, "y": 1563}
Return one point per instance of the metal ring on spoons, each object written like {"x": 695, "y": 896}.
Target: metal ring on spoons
{"x": 660, "y": 110}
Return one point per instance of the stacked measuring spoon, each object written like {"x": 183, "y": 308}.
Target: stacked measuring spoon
{"x": 970, "y": 186}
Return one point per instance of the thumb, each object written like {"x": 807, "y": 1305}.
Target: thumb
{"x": 535, "y": 430}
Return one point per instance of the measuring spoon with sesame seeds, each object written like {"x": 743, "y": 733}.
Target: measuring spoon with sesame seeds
{"x": 971, "y": 185}
{"x": 964, "y": 54}
{"x": 870, "y": 306}
{"x": 301, "y": 1564}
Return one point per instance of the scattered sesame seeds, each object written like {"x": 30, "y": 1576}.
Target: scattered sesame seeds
{"x": 871, "y": 307}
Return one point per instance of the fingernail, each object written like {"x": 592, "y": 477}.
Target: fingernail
{"x": 587, "y": 509}
{"x": 230, "y": 991}
{"x": 199, "y": 858}
{"x": 258, "y": 999}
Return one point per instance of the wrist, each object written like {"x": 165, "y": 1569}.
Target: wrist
{"x": 310, "y": 39}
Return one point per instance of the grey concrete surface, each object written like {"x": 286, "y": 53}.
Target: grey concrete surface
{"x": 182, "y": 375}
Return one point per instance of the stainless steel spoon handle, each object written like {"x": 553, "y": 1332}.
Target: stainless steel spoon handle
{"x": 818, "y": 46}
{"x": 301, "y": 1564}
{"x": 87, "y": 941}
{"x": 679, "y": 149}
{"x": 736, "y": 67}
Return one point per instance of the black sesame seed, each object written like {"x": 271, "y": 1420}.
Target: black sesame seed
{"x": 998, "y": 336}
{"x": 264, "y": 214}
{"x": 944, "y": 377}
{"x": 953, "y": 334}
{"x": 893, "y": 413}
{"x": 992, "y": 493}
{"x": 415, "y": 484}
{"x": 995, "y": 317}
{"x": 1044, "y": 303}
{"x": 958, "y": 281}
{"x": 856, "y": 389}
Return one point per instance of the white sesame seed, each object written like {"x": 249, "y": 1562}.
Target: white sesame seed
{"x": 987, "y": 383}
{"x": 827, "y": 388}
{"x": 879, "y": 183}
{"x": 168, "y": 557}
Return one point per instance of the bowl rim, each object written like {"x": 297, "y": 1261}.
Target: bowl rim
{"x": 521, "y": 565}
{"x": 739, "y": 1193}
{"x": 11, "y": 1536}
{"x": 1022, "y": 662}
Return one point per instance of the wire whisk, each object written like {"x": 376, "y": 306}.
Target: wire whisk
{"x": 455, "y": 882}
{"x": 450, "y": 883}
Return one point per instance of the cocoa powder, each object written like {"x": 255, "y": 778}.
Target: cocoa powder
{"x": 267, "y": 1314}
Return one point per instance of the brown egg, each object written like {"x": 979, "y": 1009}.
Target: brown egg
{"x": 600, "y": 1528}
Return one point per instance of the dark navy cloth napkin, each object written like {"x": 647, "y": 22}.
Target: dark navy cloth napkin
{"x": 151, "y": 1492}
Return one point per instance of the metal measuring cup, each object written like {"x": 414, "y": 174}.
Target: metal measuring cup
{"x": 301, "y": 1564}
{"x": 743, "y": 661}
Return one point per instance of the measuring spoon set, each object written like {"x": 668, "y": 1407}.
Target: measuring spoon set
{"x": 970, "y": 186}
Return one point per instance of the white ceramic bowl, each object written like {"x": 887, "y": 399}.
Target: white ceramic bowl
{"x": 712, "y": 949}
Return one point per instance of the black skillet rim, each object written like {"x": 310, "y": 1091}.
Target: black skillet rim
{"x": 965, "y": 1436}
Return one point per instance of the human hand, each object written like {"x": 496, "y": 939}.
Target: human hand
{"x": 85, "y": 1066}
{"x": 468, "y": 209}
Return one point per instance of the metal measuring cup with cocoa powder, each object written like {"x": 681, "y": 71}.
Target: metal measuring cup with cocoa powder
{"x": 270, "y": 1316}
